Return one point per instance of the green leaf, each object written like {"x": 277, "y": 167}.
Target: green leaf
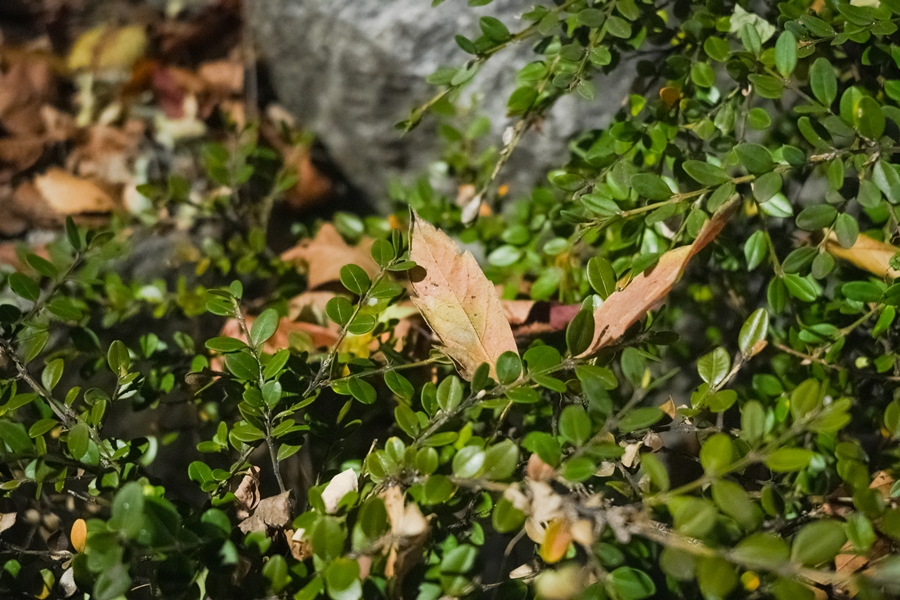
{"x": 118, "y": 358}
{"x": 801, "y": 288}
{"x": 355, "y": 279}
{"x": 888, "y": 181}
{"x": 500, "y": 461}
{"x": 734, "y": 501}
{"x": 361, "y": 390}
{"x": 816, "y": 217}
{"x": 521, "y": 100}
{"x": 72, "y": 234}
{"x": 767, "y": 86}
{"x": 846, "y": 228}
{"x": 630, "y": 584}
{"x": 449, "y": 393}
{"x": 758, "y": 119}
{"x": 24, "y": 286}
{"x": 575, "y": 425}
{"x": 640, "y": 419}
{"x": 362, "y": 324}
{"x": 468, "y": 462}
{"x": 786, "y": 460}
{"x": 400, "y": 385}
{"x": 651, "y": 186}
{"x": 509, "y": 367}
{"x": 506, "y": 517}
{"x": 339, "y": 310}
{"x": 705, "y": 173}
{"x": 716, "y": 577}
{"x": 869, "y": 119}
{"x": 127, "y": 513}
{"x": 64, "y": 308}
{"x": 823, "y": 81}
{"x": 862, "y": 291}
{"x": 41, "y": 265}
{"x": 618, "y": 27}
{"x": 756, "y": 158}
{"x": 786, "y": 53}
{"x": 762, "y": 550}
{"x": 276, "y": 571}
{"x": 264, "y": 327}
{"x": 753, "y": 331}
{"x": 242, "y": 366}
{"x": 494, "y": 29}
{"x": 717, "y": 453}
{"x": 656, "y": 471}
{"x": 580, "y": 332}
{"x": 601, "y": 276}
{"x": 52, "y": 373}
{"x": 756, "y": 249}
{"x": 818, "y": 542}
{"x": 382, "y": 252}
{"x": 459, "y": 560}
{"x": 714, "y": 366}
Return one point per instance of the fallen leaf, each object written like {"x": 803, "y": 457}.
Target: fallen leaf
{"x": 867, "y": 254}
{"x": 19, "y": 153}
{"x": 323, "y": 256}
{"x": 340, "y": 485}
{"x": 625, "y": 307}
{"x": 271, "y": 513}
{"x": 78, "y": 535}
{"x": 7, "y": 520}
{"x": 301, "y": 548}
{"x": 457, "y": 300}
{"x": 106, "y": 48}
{"x": 25, "y": 87}
{"x": 70, "y": 195}
{"x": 247, "y": 493}
{"x": 225, "y": 76}
{"x": 107, "y": 152}
{"x": 313, "y": 187}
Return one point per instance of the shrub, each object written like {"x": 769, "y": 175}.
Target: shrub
{"x": 574, "y": 438}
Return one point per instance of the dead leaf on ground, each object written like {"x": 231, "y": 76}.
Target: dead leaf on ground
{"x": 247, "y": 493}
{"x": 457, "y": 300}
{"x": 271, "y": 513}
{"x": 25, "y": 87}
{"x": 18, "y": 154}
{"x": 319, "y": 336}
{"x": 313, "y": 187}
{"x": 108, "y": 152}
{"x": 68, "y": 194}
{"x": 625, "y": 307}
{"x": 108, "y": 49}
{"x": 323, "y": 256}
{"x": 225, "y": 76}
{"x": 867, "y": 254}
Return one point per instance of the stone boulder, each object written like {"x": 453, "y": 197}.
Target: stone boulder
{"x": 349, "y": 71}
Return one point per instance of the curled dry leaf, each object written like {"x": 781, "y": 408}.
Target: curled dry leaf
{"x": 70, "y": 195}
{"x": 7, "y": 520}
{"x": 78, "y": 535}
{"x": 323, "y": 256}
{"x": 340, "y": 485}
{"x": 867, "y": 254}
{"x": 271, "y": 513}
{"x": 457, "y": 300}
{"x": 301, "y": 548}
{"x": 625, "y": 307}
{"x": 538, "y": 470}
{"x": 409, "y": 531}
{"x": 247, "y": 493}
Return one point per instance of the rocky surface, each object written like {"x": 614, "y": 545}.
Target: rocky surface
{"x": 351, "y": 70}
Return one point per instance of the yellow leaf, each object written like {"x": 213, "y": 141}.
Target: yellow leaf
{"x": 105, "y": 48}
{"x": 867, "y": 254}
{"x": 624, "y": 308}
{"x": 556, "y": 541}
{"x": 457, "y": 300}
{"x": 78, "y": 535}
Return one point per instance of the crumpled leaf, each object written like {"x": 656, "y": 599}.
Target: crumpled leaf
{"x": 301, "y": 548}
{"x": 457, "y": 300}
{"x": 271, "y": 513}
{"x": 70, "y": 195}
{"x": 247, "y": 493}
{"x": 339, "y": 486}
{"x": 625, "y": 307}
{"x": 324, "y": 255}
{"x": 409, "y": 531}
{"x": 867, "y": 254}
{"x": 7, "y": 520}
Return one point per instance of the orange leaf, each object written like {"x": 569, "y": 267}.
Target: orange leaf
{"x": 325, "y": 254}
{"x": 78, "y": 535}
{"x": 624, "y": 308}
{"x": 867, "y": 254}
{"x": 457, "y": 300}
{"x": 556, "y": 541}
{"x": 71, "y": 195}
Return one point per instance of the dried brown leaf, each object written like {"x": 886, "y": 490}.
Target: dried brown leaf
{"x": 271, "y": 513}
{"x": 457, "y": 300}
{"x": 324, "y": 255}
{"x": 247, "y": 493}
{"x": 70, "y": 195}
{"x": 340, "y": 485}
{"x": 7, "y": 520}
{"x": 409, "y": 531}
{"x": 867, "y": 254}
{"x": 625, "y": 307}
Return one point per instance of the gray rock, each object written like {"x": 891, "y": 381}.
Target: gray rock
{"x": 351, "y": 70}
